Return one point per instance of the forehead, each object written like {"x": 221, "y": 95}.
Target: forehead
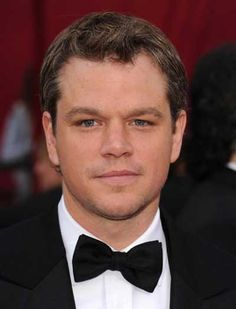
{"x": 137, "y": 81}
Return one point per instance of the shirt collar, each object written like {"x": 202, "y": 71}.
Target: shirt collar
{"x": 232, "y": 166}
{"x": 71, "y": 230}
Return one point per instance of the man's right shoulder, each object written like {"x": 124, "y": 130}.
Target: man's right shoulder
{"x": 14, "y": 215}
{"x": 32, "y": 207}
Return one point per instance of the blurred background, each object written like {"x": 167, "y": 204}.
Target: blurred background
{"x": 26, "y": 29}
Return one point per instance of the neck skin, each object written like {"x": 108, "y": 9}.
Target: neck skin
{"x": 116, "y": 234}
{"x": 233, "y": 157}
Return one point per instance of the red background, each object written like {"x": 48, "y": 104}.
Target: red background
{"x": 28, "y": 26}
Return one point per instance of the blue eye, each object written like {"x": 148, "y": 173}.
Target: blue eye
{"x": 141, "y": 123}
{"x": 87, "y": 123}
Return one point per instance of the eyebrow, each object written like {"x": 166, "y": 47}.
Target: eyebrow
{"x": 146, "y": 111}
{"x": 96, "y": 112}
{"x": 81, "y": 110}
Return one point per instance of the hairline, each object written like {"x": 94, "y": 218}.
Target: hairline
{"x": 115, "y": 59}
{"x": 158, "y": 48}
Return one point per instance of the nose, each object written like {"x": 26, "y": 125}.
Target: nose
{"x": 116, "y": 142}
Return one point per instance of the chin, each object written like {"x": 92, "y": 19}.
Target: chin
{"x": 118, "y": 213}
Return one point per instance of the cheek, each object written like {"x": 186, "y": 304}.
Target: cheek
{"x": 76, "y": 156}
{"x": 156, "y": 159}
{"x": 158, "y": 167}
{"x": 157, "y": 151}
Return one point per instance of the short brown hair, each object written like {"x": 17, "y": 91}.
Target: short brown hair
{"x": 120, "y": 37}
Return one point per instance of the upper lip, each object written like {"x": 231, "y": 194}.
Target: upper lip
{"x": 118, "y": 173}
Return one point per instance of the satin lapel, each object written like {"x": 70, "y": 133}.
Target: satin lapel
{"x": 41, "y": 271}
{"x": 182, "y": 296}
{"x": 200, "y": 271}
{"x": 54, "y": 291}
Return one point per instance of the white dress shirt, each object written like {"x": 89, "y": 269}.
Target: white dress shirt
{"x": 110, "y": 290}
{"x": 232, "y": 166}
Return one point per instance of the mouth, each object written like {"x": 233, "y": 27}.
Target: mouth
{"x": 121, "y": 177}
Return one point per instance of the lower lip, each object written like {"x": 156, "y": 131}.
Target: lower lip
{"x": 119, "y": 180}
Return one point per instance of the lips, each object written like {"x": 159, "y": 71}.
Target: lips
{"x": 118, "y": 174}
{"x": 121, "y": 177}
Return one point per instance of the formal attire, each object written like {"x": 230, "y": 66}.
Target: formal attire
{"x": 110, "y": 289}
{"x": 32, "y": 206}
{"x": 213, "y": 201}
{"x": 176, "y": 192}
{"x": 35, "y": 274}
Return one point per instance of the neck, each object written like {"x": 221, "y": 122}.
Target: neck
{"x": 116, "y": 233}
{"x": 233, "y": 157}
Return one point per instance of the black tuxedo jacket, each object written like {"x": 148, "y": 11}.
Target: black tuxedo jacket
{"x": 34, "y": 272}
{"x": 211, "y": 203}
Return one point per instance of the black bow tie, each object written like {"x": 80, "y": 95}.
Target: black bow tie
{"x": 141, "y": 266}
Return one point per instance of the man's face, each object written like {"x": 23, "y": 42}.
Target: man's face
{"x": 114, "y": 136}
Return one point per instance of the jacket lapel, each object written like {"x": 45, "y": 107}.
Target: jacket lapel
{"x": 182, "y": 295}
{"x": 41, "y": 274}
{"x": 203, "y": 275}
{"x": 200, "y": 271}
{"x": 54, "y": 291}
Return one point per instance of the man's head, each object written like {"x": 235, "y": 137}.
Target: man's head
{"x": 121, "y": 38}
{"x": 213, "y": 116}
{"x": 118, "y": 90}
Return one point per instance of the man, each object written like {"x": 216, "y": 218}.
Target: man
{"x": 113, "y": 94}
{"x": 212, "y": 146}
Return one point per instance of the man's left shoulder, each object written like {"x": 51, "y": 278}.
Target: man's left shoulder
{"x": 205, "y": 261}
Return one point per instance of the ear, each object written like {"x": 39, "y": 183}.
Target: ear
{"x": 180, "y": 125}
{"x": 50, "y": 138}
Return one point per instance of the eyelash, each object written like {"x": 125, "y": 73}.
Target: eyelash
{"x": 142, "y": 123}
{"x": 87, "y": 123}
